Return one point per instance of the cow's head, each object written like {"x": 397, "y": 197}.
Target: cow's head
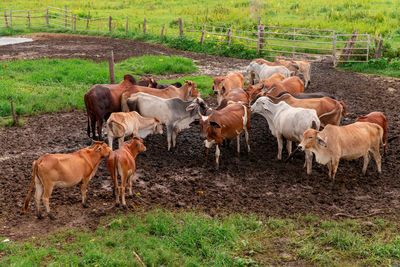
{"x": 207, "y": 125}
{"x": 261, "y": 104}
{"x": 101, "y": 148}
{"x": 157, "y": 127}
{"x": 136, "y": 145}
{"x": 253, "y": 90}
{"x": 200, "y": 104}
{"x": 218, "y": 85}
{"x": 193, "y": 92}
{"x": 312, "y": 139}
{"x": 152, "y": 82}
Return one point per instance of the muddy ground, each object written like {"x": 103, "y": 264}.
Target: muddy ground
{"x": 254, "y": 182}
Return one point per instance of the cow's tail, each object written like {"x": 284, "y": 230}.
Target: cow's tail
{"x": 87, "y": 104}
{"x": 333, "y": 111}
{"x": 344, "y": 107}
{"x": 28, "y": 196}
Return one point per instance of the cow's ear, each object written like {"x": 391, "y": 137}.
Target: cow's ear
{"x": 292, "y": 74}
{"x": 321, "y": 142}
{"x": 191, "y": 107}
{"x": 314, "y": 125}
{"x": 223, "y": 89}
{"x": 99, "y": 148}
{"x": 214, "y": 124}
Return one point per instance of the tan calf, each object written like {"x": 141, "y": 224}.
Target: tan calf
{"x": 223, "y": 84}
{"x": 121, "y": 163}
{"x": 64, "y": 170}
{"x": 121, "y": 124}
{"x": 254, "y": 90}
{"x": 348, "y": 142}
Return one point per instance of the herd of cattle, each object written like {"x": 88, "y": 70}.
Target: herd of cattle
{"x": 275, "y": 91}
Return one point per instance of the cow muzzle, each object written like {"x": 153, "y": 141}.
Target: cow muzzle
{"x": 215, "y": 92}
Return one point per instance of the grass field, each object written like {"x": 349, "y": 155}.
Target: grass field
{"x": 173, "y": 238}
{"x": 51, "y": 85}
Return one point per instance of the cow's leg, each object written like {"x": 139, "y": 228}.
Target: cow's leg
{"x": 100, "y": 128}
{"x": 110, "y": 142}
{"x": 335, "y": 164}
{"x": 124, "y": 178}
{"x": 365, "y": 165}
{"x": 246, "y": 134}
{"x": 289, "y": 146}
{"x": 116, "y": 188}
{"x": 169, "y": 133}
{"x": 280, "y": 146}
{"x": 130, "y": 184}
{"x": 45, "y": 198}
{"x": 121, "y": 141}
{"x": 309, "y": 158}
{"x": 174, "y": 135}
{"x": 83, "y": 191}
{"x": 38, "y": 195}
{"x": 217, "y": 153}
{"x": 93, "y": 125}
{"x": 378, "y": 158}
{"x": 238, "y": 144}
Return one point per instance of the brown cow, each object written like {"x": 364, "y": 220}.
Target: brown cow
{"x": 329, "y": 111}
{"x": 293, "y": 85}
{"x": 187, "y": 92}
{"x": 254, "y": 90}
{"x": 121, "y": 163}
{"x": 121, "y": 124}
{"x": 64, "y": 170}
{"x": 305, "y": 70}
{"x": 226, "y": 123}
{"x": 148, "y": 82}
{"x": 235, "y": 95}
{"x": 223, "y": 84}
{"x": 349, "y": 142}
{"x": 380, "y": 119}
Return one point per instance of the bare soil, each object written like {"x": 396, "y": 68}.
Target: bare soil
{"x": 256, "y": 182}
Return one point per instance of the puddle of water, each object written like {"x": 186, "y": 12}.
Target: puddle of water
{"x": 14, "y": 40}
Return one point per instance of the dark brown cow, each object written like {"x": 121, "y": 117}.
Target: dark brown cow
{"x": 380, "y": 119}
{"x": 165, "y": 85}
{"x": 148, "y": 82}
{"x": 121, "y": 163}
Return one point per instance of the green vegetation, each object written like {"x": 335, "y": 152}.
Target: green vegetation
{"x": 195, "y": 239}
{"x": 381, "y": 66}
{"x": 51, "y": 85}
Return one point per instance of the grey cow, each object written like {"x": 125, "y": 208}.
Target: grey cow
{"x": 175, "y": 113}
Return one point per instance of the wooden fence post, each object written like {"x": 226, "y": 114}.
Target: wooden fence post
{"x": 29, "y": 19}
{"x": 162, "y": 31}
{"x": 14, "y": 116}
{"x": 5, "y": 18}
{"x": 74, "y": 22}
{"x": 109, "y": 24}
{"x": 202, "y": 34}
{"x": 294, "y": 42}
{"x": 87, "y": 21}
{"x": 66, "y": 16}
{"x": 368, "y": 42}
{"x": 126, "y": 27}
{"x": 348, "y": 50}
{"x": 10, "y": 18}
{"x": 47, "y": 17}
{"x": 378, "y": 52}
{"x": 180, "y": 26}
{"x": 334, "y": 48}
{"x": 258, "y": 39}
{"x": 144, "y": 26}
{"x": 261, "y": 36}
{"x": 229, "y": 35}
{"x": 111, "y": 67}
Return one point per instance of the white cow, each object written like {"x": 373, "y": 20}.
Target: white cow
{"x": 175, "y": 113}
{"x": 288, "y": 122}
{"x": 121, "y": 124}
{"x": 263, "y": 71}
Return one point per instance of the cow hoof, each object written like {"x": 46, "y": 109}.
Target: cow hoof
{"x": 85, "y": 205}
{"x": 39, "y": 216}
{"x": 124, "y": 206}
{"x": 117, "y": 205}
{"x": 51, "y": 216}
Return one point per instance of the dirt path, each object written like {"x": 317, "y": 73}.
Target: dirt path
{"x": 254, "y": 182}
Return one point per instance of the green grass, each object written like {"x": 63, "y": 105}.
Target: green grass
{"x": 51, "y": 85}
{"x": 382, "y": 66}
{"x": 168, "y": 238}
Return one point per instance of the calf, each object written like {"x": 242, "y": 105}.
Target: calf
{"x": 175, "y": 113}
{"x": 121, "y": 124}
{"x": 329, "y": 111}
{"x": 288, "y": 122}
{"x": 226, "y": 123}
{"x": 223, "y": 84}
{"x": 349, "y": 142}
{"x": 64, "y": 170}
{"x": 380, "y": 119}
{"x": 121, "y": 163}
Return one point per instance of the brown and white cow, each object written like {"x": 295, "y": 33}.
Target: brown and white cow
{"x": 64, "y": 170}
{"x": 329, "y": 111}
{"x": 187, "y": 92}
{"x": 380, "y": 119}
{"x": 348, "y": 142}
{"x": 226, "y": 123}
{"x": 121, "y": 124}
{"x": 121, "y": 163}
{"x": 223, "y": 84}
